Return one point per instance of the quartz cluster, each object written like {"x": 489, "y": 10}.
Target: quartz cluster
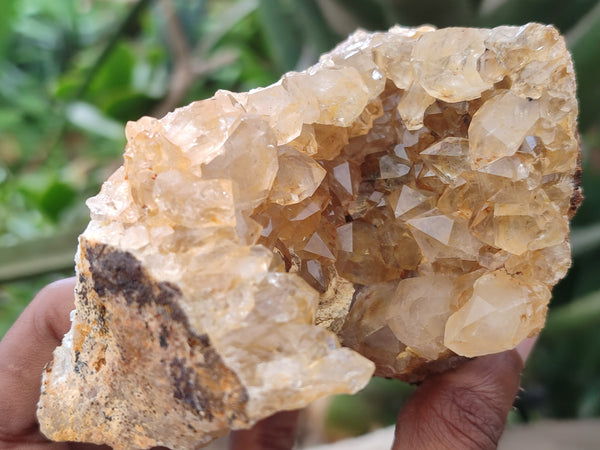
{"x": 409, "y": 196}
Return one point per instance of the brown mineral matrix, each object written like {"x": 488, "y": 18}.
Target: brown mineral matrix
{"x": 409, "y": 196}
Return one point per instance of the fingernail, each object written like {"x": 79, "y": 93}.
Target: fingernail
{"x": 524, "y": 348}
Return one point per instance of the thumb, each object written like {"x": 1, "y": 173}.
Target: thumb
{"x": 465, "y": 408}
{"x": 25, "y": 350}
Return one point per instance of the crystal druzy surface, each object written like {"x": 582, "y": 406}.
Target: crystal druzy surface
{"x": 409, "y": 196}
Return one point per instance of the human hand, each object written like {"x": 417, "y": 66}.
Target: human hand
{"x": 24, "y": 351}
{"x": 465, "y": 408}
{"x": 460, "y": 409}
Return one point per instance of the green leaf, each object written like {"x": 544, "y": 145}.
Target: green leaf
{"x": 67, "y": 86}
{"x": 89, "y": 118}
{"x": 254, "y": 73}
{"x": 9, "y": 117}
{"x": 590, "y": 404}
{"x": 349, "y": 415}
{"x": 562, "y": 14}
{"x": 374, "y": 406}
{"x": 50, "y": 195}
{"x": 580, "y": 313}
{"x": 57, "y": 198}
{"x": 190, "y": 14}
{"x": 584, "y": 42}
{"x": 281, "y": 34}
{"x": 222, "y": 24}
{"x": 9, "y": 9}
{"x": 585, "y": 239}
{"x": 125, "y": 106}
{"x": 99, "y": 65}
{"x": 476, "y": 5}
{"x": 315, "y": 28}
{"x": 33, "y": 185}
{"x": 369, "y": 13}
{"x": 115, "y": 73}
{"x": 440, "y": 14}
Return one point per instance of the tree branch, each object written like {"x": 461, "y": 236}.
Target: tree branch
{"x": 186, "y": 70}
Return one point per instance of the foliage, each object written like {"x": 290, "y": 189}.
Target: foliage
{"x": 73, "y": 72}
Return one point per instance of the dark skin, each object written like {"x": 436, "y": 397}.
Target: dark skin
{"x": 465, "y": 408}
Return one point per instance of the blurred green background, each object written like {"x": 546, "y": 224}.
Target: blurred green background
{"x": 72, "y": 72}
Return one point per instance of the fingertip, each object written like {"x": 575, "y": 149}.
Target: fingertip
{"x": 51, "y": 309}
{"x": 58, "y": 292}
{"x": 463, "y": 408}
{"x": 26, "y": 349}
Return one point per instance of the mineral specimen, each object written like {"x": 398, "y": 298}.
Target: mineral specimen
{"x": 410, "y": 194}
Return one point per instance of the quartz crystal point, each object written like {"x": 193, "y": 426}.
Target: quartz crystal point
{"x": 409, "y": 196}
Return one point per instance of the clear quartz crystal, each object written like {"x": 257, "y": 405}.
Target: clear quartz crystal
{"x": 500, "y": 126}
{"x": 445, "y": 63}
{"x": 409, "y": 196}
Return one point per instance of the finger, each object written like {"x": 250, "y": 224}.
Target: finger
{"x": 277, "y": 432}
{"x": 25, "y": 350}
{"x": 465, "y": 408}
